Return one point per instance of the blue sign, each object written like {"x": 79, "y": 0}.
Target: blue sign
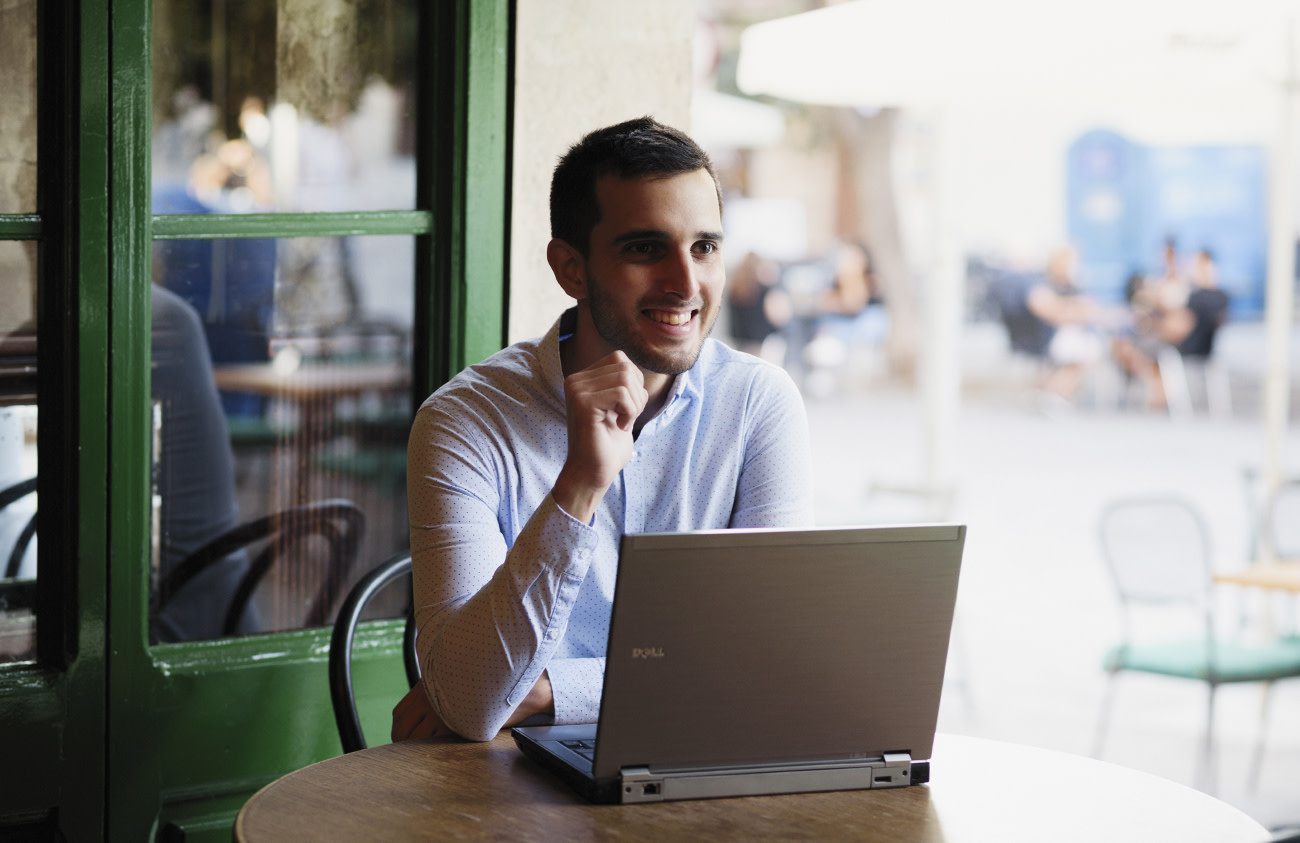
{"x": 1125, "y": 201}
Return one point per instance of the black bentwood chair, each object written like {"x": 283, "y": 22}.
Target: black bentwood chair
{"x": 397, "y": 567}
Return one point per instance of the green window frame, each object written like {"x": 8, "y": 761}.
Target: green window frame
{"x": 127, "y": 741}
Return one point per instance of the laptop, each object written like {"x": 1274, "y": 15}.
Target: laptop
{"x": 757, "y": 661}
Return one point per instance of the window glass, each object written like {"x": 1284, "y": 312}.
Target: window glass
{"x": 283, "y": 105}
{"x": 18, "y": 159}
{"x": 281, "y": 382}
{"x": 17, "y": 108}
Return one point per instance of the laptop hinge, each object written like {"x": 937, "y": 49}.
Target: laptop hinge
{"x": 643, "y": 784}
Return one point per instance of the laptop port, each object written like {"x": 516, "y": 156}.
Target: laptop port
{"x": 650, "y": 789}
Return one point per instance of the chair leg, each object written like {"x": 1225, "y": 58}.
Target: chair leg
{"x": 1205, "y": 776}
{"x": 1173, "y": 377}
{"x": 1218, "y": 390}
{"x": 1258, "y": 760}
{"x": 1103, "y": 718}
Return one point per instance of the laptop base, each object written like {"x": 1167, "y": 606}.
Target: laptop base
{"x": 544, "y": 744}
{"x": 642, "y": 784}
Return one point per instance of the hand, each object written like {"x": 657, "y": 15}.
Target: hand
{"x": 540, "y": 700}
{"x": 603, "y": 403}
{"x": 414, "y": 717}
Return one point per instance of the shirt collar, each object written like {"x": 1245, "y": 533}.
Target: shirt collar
{"x": 552, "y": 366}
{"x": 688, "y": 384}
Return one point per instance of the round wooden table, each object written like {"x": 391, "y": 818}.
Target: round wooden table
{"x": 981, "y": 790}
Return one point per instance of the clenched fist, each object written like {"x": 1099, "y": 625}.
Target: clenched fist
{"x": 603, "y": 402}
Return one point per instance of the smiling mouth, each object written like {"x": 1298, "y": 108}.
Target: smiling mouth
{"x": 671, "y": 317}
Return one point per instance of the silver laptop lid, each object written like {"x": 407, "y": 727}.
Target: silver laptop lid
{"x": 733, "y": 647}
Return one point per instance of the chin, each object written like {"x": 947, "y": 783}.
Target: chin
{"x": 664, "y": 364}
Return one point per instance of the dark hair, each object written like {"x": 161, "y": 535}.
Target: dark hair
{"x": 640, "y": 148}
{"x": 1135, "y": 282}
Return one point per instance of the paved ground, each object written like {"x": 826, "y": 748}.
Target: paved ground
{"x": 1036, "y": 610}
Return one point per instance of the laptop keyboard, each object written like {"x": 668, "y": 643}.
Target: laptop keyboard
{"x": 587, "y": 749}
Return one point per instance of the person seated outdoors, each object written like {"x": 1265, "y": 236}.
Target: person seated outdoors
{"x": 1066, "y": 315}
{"x": 1162, "y": 317}
{"x": 525, "y": 470}
{"x": 852, "y": 309}
{"x": 756, "y": 305}
{"x": 196, "y": 476}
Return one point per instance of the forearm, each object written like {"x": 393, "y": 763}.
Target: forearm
{"x": 483, "y": 651}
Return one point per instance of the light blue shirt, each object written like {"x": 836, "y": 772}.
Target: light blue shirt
{"x": 507, "y": 585}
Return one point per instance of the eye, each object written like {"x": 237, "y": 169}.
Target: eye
{"x": 644, "y": 249}
{"x": 706, "y": 247}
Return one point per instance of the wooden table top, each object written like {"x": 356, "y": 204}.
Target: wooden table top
{"x": 313, "y": 381}
{"x": 980, "y": 791}
{"x": 1280, "y": 575}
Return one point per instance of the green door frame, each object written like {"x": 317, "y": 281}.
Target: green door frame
{"x": 53, "y": 723}
{"x": 123, "y": 740}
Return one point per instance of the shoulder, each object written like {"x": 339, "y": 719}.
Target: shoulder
{"x": 725, "y": 373}
{"x": 1207, "y": 299}
{"x": 500, "y": 387}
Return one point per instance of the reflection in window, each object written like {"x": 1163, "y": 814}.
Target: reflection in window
{"x": 18, "y": 161}
{"x": 17, "y": 108}
{"x": 281, "y": 378}
{"x": 283, "y": 105}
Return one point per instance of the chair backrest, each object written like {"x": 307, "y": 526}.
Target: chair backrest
{"x": 342, "y": 696}
{"x": 10, "y": 495}
{"x": 1281, "y": 525}
{"x": 339, "y": 522}
{"x": 1158, "y": 551}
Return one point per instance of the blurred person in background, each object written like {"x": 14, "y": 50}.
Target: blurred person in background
{"x": 757, "y": 307}
{"x": 853, "y": 309}
{"x": 1069, "y": 317}
{"x": 1162, "y": 315}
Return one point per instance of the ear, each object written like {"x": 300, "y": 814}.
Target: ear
{"x": 569, "y": 268}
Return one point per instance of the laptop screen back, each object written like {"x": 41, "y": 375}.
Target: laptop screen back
{"x": 769, "y": 646}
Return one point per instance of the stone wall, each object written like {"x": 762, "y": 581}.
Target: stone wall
{"x": 580, "y": 65}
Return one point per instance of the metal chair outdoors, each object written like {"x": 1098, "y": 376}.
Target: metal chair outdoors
{"x": 1280, "y": 523}
{"x": 340, "y": 522}
{"x": 1273, "y": 529}
{"x": 342, "y": 695}
{"x": 10, "y": 495}
{"x": 1158, "y": 553}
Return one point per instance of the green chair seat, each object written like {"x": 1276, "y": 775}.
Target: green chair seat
{"x": 384, "y": 466}
{"x": 254, "y": 431}
{"x": 1230, "y": 661}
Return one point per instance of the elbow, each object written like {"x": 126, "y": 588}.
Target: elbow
{"x": 479, "y": 727}
{"x": 479, "y": 736}
{"x": 473, "y": 723}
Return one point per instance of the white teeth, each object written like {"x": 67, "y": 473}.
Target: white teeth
{"x": 670, "y": 318}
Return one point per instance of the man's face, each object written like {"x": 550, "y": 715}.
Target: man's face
{"x": 654, "y": 272}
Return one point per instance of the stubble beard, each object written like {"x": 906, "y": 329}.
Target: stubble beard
{"x": 619, "y": 335}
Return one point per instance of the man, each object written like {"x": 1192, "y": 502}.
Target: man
{"x": 1068, "y": 315}
{"x": 524, "y": 471}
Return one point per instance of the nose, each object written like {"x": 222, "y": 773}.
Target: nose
{"x": 681, "y": 275}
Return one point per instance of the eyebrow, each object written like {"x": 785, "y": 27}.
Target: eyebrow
{"x": 657, "y": 234}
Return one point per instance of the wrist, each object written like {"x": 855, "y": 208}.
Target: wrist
{"x": 539, "y": 700}
{"x": 577, "y": 499}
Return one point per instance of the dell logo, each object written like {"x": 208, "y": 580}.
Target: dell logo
{"x": 647, "y": 653}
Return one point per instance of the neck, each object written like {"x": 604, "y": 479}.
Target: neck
{"x": 585, "y": 347}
